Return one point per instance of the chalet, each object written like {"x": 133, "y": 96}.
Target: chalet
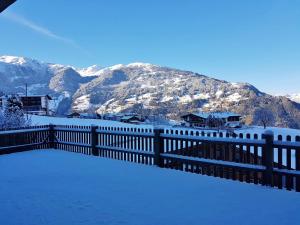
{"x": 228, "y": 119}
{"x": 73, "y": 115}
{"x": 82, "y": 115}
{"x": 33, "y": 104}
{"x": 132, "y": 119}
{"x": 36, "y": 104}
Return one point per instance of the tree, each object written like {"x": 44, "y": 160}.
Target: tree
{"x": 264, "y": 116}
{"x": 12, "y": 114}
{"x": 214, "y": 122}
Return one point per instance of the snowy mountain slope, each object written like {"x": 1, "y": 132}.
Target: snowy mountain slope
{"x": 142, "y": 88}
{"x": 42, "y": 78}
{"x": 94, "y": 70}
{"x": 294, "y": 97}
{"x": 152, "y": 89}
{"x": 149, "y": 85}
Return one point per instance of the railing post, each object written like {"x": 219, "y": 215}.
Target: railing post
{"x": 298, "y": 165}
{"x": 158, "y": 146}
{"x": 52, "y": 143}
{"x": 268, "y": 157}
{"x": 94, "y": 140}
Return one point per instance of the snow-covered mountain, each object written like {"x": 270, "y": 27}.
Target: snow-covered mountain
{"x": 141, "y": 87}
{"x": 94, "y": 70}
{"x": 42, "y": 78}
{"x": 294, "y": 97}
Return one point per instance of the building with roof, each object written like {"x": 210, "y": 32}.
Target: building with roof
{"x": 73, "y": 115}
{"x": 202, "y": 119}
{"x": 32, "y": 104}
{"x": 132, "y": 119}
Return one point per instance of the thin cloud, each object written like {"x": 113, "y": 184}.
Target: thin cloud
{"x": 41, "y": 30}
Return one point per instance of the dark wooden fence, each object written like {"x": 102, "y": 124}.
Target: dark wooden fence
{"x": 25, "y": 139}
{"x": 264, "y": 160}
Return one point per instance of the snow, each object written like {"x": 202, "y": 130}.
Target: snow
{"x": 13, "y": 60}
{"x": 167, "y": 98}
{"x": 219, "y": 93}
{"x": 140, "y": 64}
{"x": 45, "y": 120}
{"x": 185, "y": 99}
{"x": 24, "y": 62}
{"x": 145, "y": 96}
{"x": 54, "y": 187}
{"x": 96, "y": 70}
{"x": 131, "y": 100}
{"x": 82, "y": 103}
{"x": 148, "y": 86}
{"x": 201, "y": 96}
{"x": 189, "y": 98}
{"x": 294, "y": 97}
{"x": 216, "y": 114}
{"x": 234, "y": 97}
{"x": 90, "y": 71}
{"x": 236, "y": 85}
{"x": 276, "y": 130}
{"x": 116, "y": 67}
{"x": 57, "y": 67}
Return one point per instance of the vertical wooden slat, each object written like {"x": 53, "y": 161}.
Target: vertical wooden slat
{"x": 279, "y": 164}
{"x": 289, "y": 178}
{"x": 297, "y": 155}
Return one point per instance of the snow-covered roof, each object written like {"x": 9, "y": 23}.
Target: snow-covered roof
{"x": 215, "y": 114}
{"x": 48, "y": 96}
{"x": 128, "y": 117}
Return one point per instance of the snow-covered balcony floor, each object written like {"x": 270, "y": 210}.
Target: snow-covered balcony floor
{"x": 61, "y": 188}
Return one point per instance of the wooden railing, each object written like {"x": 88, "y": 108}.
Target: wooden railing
{"x": 260, "y": 160}
{"x": 25, "y": 139}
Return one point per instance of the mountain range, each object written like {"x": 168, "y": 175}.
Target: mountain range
{"x": 143, "y": 88}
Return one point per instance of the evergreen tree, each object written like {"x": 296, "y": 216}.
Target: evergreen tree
{"x": 12, "y": 114}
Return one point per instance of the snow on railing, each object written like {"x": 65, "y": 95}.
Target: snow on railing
{"x": 244, "y": 157}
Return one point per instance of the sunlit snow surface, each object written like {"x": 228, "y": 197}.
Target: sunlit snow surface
{"x": 294, "y": 97}
{"x": 44, "y": 120}
{"x": 59, "y": 188}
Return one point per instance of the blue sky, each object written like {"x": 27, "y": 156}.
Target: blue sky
{"x": 247, "y": 41}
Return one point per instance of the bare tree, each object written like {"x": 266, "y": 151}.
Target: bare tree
{"x": 264, "y": 116}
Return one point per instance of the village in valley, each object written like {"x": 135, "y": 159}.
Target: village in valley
{"x": 41, "y": 105}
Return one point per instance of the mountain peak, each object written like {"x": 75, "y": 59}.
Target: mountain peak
{"x": 93, "y": 70}
{"x": 23, "y": 62}
{"x": 139, "y": 64}
{"x": 139, "y": 87}
{"x": 14, "y": 60}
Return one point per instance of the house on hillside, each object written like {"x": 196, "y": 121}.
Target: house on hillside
{"x": 132, "y": 119}
{"x": 32, "y": 104}
{"x": 202, "y": 119}
{"x": 82, "y": 115}
{"x": 112, "y": 116}
{"x": 123, "y": 117}
{"x": 36, "y": 104}
{"x": 73, "y": 115}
